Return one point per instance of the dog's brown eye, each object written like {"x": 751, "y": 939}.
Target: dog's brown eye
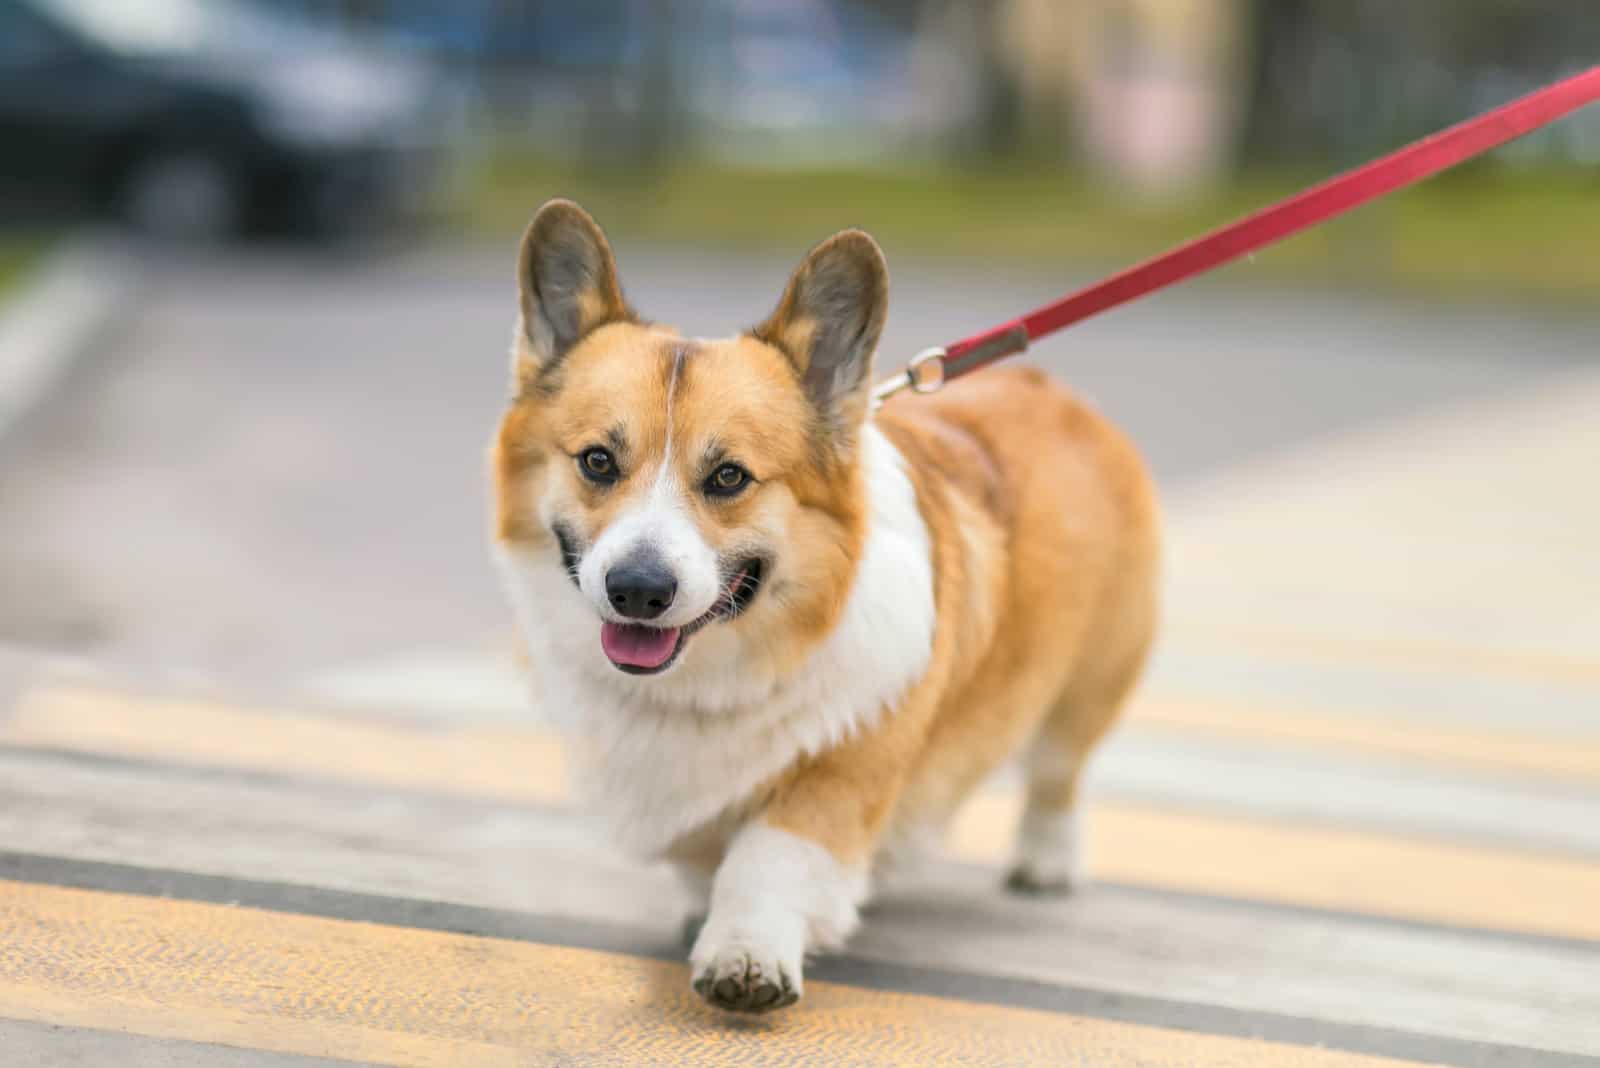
{"x": 598, "y": 465}
{"x": 727, "y": 480}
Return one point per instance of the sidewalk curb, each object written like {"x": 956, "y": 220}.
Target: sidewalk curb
{"x": 55, "y": 314}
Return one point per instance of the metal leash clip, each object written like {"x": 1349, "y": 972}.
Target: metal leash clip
{"x": 924, "y": 374}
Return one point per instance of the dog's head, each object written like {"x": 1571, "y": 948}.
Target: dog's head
{"x": 688, "y": 485}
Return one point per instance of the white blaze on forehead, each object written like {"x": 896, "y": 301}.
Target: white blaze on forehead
{"x": 661, "y": 525}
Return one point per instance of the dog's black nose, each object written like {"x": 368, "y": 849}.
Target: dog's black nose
{"x": 640, "y": 589}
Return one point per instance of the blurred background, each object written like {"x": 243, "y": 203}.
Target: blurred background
{"x": 1015, "y": 128}
{"x": 278, "y": 235}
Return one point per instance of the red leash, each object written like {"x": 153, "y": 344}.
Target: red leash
{"x": 1422, "y": 159}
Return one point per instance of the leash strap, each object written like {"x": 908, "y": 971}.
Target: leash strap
{"x": 1406, "y": 166}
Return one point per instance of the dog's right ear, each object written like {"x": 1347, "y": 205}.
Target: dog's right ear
{"x": 568, "y": 284}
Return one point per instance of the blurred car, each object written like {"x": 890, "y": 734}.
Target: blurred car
{"x": 200, "y": 119}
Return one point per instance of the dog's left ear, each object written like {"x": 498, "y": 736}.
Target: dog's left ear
{"x": 828, "y": 324}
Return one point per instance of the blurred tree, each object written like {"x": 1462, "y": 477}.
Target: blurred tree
{"x": 659, "y": 118}
{"x": 1341, "y": 79}
{"x": 965, "y": 36}
{"x": 998, "y": 117}
{"x": 633, "y": 107}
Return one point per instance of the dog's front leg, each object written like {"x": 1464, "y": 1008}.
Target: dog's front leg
{"x": 794, "y": 877}
{"x": 776, "y": 895}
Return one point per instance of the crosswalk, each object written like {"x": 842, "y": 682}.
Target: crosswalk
{"x": 302, "y": 983}
{"x": 1171, "y": 815}
{"x": 1352, "y": 819}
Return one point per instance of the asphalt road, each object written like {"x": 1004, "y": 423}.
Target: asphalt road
{"x": 274, "y": 464}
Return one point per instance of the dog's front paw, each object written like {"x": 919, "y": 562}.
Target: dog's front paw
{"x": 740, "y": 978}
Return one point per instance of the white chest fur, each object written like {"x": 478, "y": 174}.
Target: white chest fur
{"x": 660, "y": 757}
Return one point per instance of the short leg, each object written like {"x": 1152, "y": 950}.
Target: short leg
{"x": 793, "y": 879}
{"x": 1050, "y": 842}
{"x": 1049, "y": 858}
{"x": 777, "y": 895}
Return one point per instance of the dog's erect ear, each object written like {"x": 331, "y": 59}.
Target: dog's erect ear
{"x": 828, "y": 324}
{"x": 568, "y": 282}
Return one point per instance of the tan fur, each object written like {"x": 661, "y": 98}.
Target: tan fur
{"x": 1069, "y": 570}
{"x": 1044, "y": 542}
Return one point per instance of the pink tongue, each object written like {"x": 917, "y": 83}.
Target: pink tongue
{"x": 635, "y": 646}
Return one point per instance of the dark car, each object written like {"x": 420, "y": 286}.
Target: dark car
{"x": 202, "y": 118}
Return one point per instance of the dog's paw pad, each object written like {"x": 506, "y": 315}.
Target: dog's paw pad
{"x": 765, "y": 996}
{"x": 739, "y": 983}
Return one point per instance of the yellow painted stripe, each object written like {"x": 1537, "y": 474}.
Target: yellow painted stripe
{"x": 1398, "y": 653}
{"x": 1537, "y": 756}
{"x": 1315, "y": 866}
{"x": 366, "y": 992}
{"x": 508, "y": 764}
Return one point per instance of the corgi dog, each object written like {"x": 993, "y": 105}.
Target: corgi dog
{"x": 788, "y": 634}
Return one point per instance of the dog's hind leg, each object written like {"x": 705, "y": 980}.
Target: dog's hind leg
{"x": 1050, "y": 840}
{"x": 1049, "y": 848}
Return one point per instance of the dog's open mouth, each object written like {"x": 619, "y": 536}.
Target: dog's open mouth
{"x": 640, "y": 649}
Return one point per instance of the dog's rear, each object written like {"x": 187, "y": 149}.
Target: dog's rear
{"x": 1046, "y": 534}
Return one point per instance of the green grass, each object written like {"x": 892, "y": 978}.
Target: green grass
{"x": 1467, "y": 233}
